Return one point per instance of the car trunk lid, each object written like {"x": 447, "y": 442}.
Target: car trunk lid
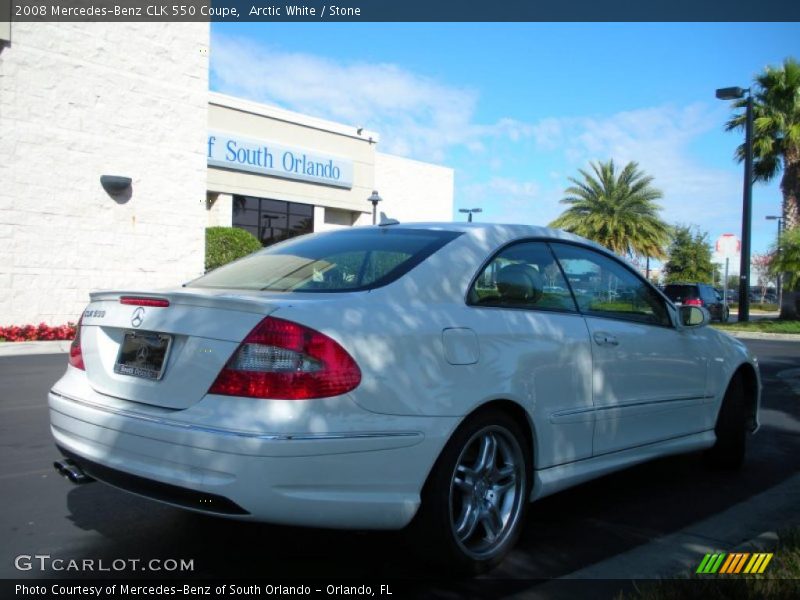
{"x": 166, "y": 348}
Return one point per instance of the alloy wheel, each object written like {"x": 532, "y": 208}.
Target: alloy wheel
{"x": 486, "y": 492}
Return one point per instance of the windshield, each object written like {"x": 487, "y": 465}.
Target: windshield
{"x": 677, "y": 292}
{"x": 339, "y": 261}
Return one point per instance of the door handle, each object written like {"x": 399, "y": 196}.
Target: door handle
{"x": 602, "y": 338}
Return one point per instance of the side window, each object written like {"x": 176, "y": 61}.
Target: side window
{"x": 710, "y": 295}
{"x": 605, "y": 288}
{"x": 524, "y": 275}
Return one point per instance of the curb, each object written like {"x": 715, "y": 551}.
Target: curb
{"x": 758, "y": 335}
{"x": 749, "y": 525}
{"x": 28, "y": 348}
{"x": 61, "y": 346}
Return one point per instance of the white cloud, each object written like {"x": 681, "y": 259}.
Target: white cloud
{"x": 511, "y": 176}
{"x": 415, "y": 115}
{"x": 506, "y": 200}
{"x": 660, "y": 139}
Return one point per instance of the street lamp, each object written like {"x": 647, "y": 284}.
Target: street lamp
{"x": 374, "y": 198}
{"x": 469, "y": 211}
{"x": 735, "y": 93}
{"x": 778, "y": 281}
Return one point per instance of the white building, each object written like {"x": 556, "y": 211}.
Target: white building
{"x": 82, "y": 100}
{"x": 278, "y": 173}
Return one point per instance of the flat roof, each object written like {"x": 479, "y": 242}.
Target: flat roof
{"x": 281, "y": 114}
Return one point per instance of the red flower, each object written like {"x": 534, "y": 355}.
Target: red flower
{"x": 42, "y": 331}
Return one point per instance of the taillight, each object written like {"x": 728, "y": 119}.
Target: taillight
{"x": 142, "y": 301}
{"x": 693, "y": 302}
{"x": 286, "y": 361}
{"x": 75, "y": 353}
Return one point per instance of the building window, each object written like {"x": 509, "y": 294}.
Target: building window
{"x": 272, "y": 221}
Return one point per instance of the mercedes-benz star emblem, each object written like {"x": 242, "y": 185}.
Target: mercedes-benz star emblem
{"x": 137, "y": 317}
{"x": 142, "y": 355}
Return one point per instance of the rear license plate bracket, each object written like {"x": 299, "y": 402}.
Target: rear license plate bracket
{"x": 143, "y": 354}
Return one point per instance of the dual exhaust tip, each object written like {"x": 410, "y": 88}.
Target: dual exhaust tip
{"x": 66, "y": 467}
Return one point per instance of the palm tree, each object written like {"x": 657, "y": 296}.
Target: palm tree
{"x": 786, "y": 263}
{"x": 615, "y": 210}
{"x": 776, "y": 132}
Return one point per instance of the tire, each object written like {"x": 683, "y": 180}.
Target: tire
{"x": 725, "y": 314}
{"x": 729, "y": 450}
{"x": 475, "y": 499}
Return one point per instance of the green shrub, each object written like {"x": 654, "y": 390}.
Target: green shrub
{"x": 226, "y": 244}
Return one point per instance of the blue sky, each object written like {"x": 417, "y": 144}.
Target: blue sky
{"x": 516, "y": 109}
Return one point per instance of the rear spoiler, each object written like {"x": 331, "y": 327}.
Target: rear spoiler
{"x": 207, "y": 298}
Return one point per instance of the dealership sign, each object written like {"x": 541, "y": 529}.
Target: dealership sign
{"x": 268, "y": 158}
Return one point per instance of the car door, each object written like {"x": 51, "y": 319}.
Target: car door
{"x": 536, "y": 347}
{"x": 648, "y": 378}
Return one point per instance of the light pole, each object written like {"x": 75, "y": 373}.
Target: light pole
{"x": 735, "y": 93}
{"x": 469, "y": 211}
{"x": 778, "y": 278}
{"x": 269, "y": 219}
{"x": 374, "y": 198}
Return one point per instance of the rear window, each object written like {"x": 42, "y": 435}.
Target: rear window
{"x": 678, "y": 293}
{"x": 339, "y": 261}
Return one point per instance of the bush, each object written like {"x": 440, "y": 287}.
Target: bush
{"x": 28, "y": 333}
{"x": 226, "y": 244}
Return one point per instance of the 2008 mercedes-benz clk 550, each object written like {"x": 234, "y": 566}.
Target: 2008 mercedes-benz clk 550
{"x": 439, "y": 375}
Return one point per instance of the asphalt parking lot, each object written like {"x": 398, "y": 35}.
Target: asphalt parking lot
{"x": 45, "y": 514}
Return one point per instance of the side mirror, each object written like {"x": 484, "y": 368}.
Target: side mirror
{"x": 694, "y": 316}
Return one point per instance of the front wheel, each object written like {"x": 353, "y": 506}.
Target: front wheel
{"x": 475, "y": 499}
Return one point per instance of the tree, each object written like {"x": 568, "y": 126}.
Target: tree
{"x": 616, "y": 210}
{"x": 689, "y": 257}
{"x": 786, "y": 261}
{"x": 760, "y": 265}
{"x": 776, "y": 132}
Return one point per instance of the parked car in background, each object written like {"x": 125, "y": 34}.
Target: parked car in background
{"x": 699, "y": 294}
{"x": 440, "y": 375}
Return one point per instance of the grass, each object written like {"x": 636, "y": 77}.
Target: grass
{"x": 757, "y": 306}
{"x": 780, "y": 580}
{"x": 762, "y": 325}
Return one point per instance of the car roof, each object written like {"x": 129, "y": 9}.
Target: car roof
{"x": 686, "y": 283}
{"x": 507, "y": 231}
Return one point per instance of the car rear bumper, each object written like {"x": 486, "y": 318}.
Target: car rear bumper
{"x": 340, "y": 478}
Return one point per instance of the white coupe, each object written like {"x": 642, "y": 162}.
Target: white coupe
{"x": 438, "y": 375}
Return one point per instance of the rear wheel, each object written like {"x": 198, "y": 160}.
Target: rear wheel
{"x": 476, "y": 496}
{"x": 731, "y": 429}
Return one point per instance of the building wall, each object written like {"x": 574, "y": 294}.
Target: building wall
{"x": 412, "y": 190}
{"x": 79, "y": 100}
{"x": 271, "y": 124}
